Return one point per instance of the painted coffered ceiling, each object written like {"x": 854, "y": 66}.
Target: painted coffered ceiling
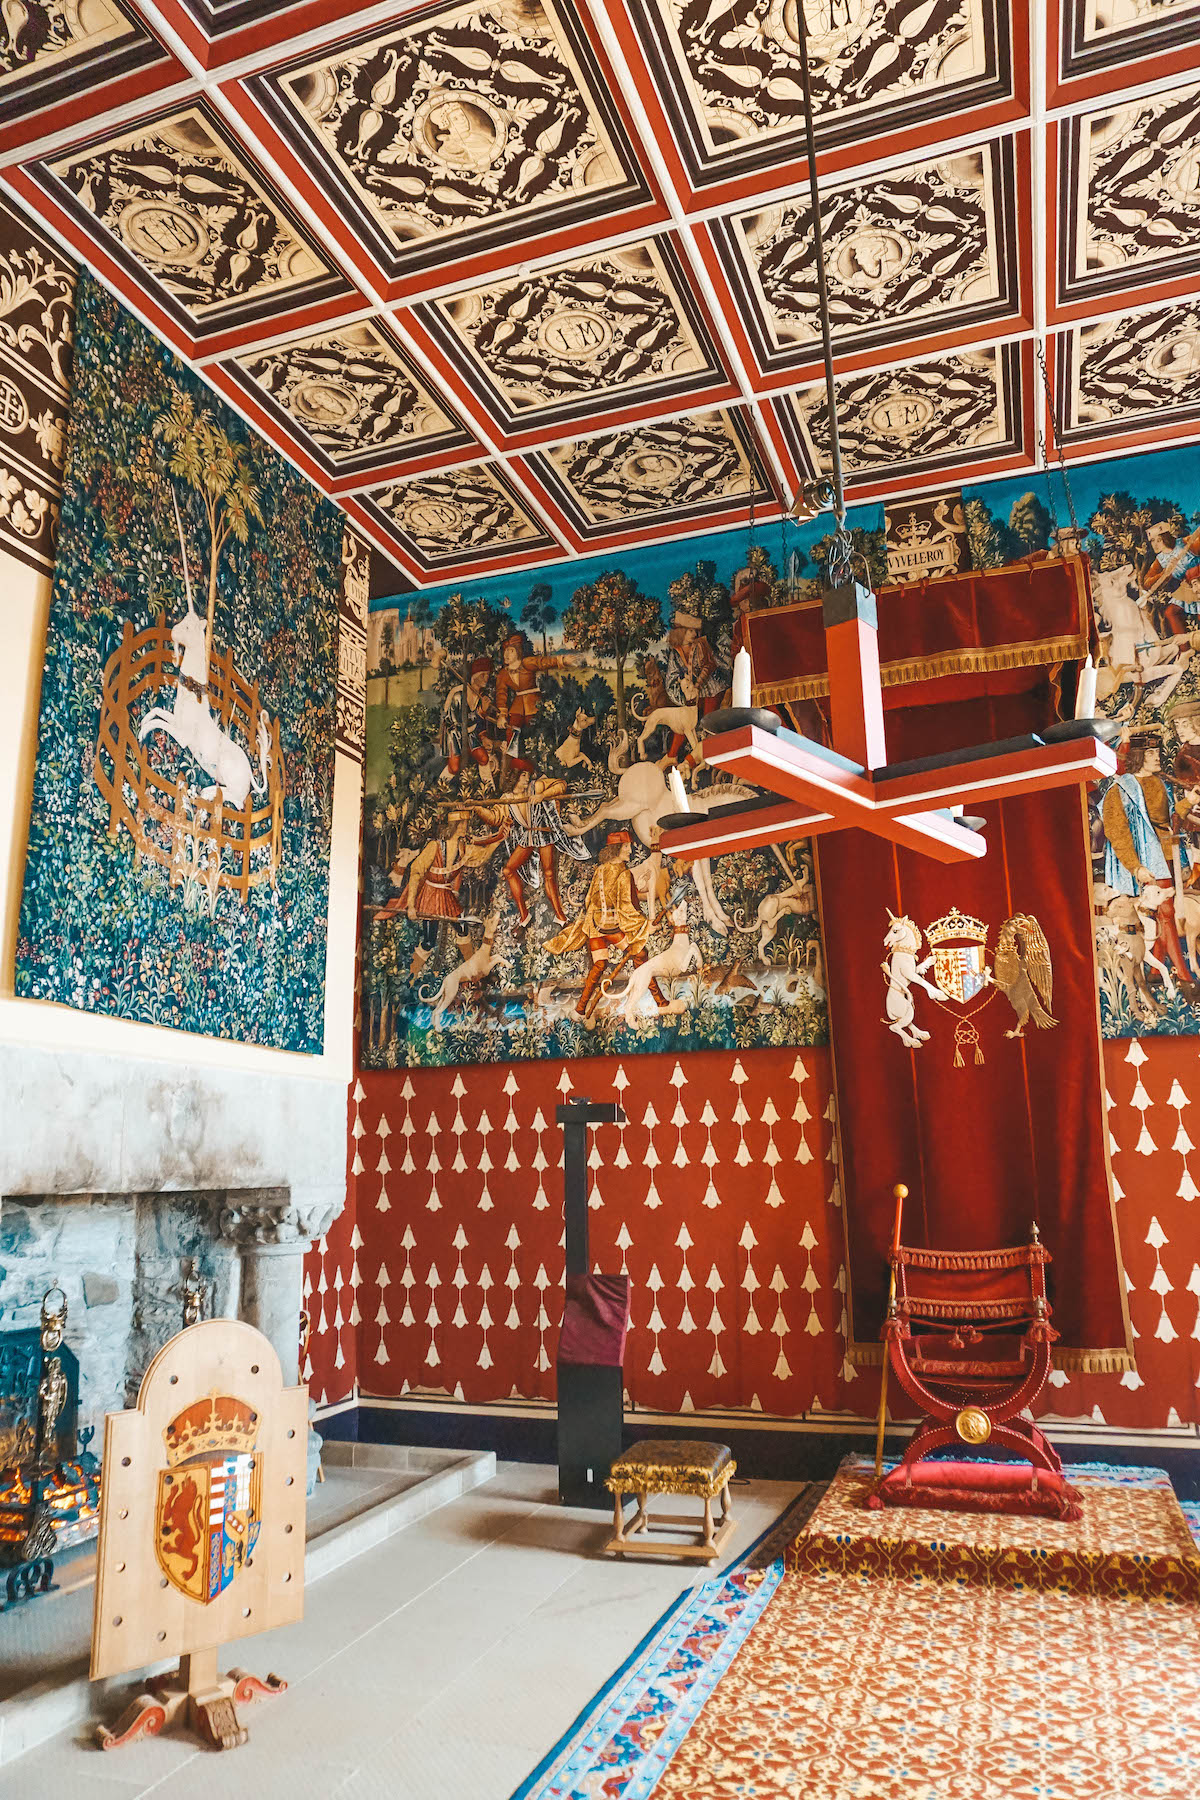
{"x": 520, "y": 279}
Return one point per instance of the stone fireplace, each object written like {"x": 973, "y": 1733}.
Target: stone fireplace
{"x": 117, "y": 1174}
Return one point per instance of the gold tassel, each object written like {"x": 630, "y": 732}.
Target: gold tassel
{"x": 958, "y": 1055}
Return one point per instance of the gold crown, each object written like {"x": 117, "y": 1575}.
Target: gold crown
{"x": 217, "y": 1423}
{"x": 958, "y": 925}
{"x": 915, "y": 532}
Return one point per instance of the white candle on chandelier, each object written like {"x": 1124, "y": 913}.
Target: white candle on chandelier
{"x": 1085, "y": 691}
{"x": 679, "y": 793}
{"x": 742, "y": 678}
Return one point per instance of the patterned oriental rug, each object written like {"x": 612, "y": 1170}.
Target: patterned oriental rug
{"x": 776, "y": 1682}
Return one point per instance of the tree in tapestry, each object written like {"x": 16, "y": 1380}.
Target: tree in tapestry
{"x": 517, "y": 903}
{"x": 178, "y": 863}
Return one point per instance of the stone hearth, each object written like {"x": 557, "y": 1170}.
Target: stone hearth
{"x": 116, "y": 1173}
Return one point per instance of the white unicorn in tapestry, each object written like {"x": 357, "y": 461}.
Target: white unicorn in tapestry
{"x": 191, "y": 722}
{"x": 903, "y": 972}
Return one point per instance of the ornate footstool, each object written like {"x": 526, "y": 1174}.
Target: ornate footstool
{"x": 672, "y": 1466}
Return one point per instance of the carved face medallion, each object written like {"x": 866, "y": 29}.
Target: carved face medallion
{"x": 460, "y": 130}
{"x": 1178, "y": 359}
{"x": 871, "y": 258}
{"x": 653, "y": 469}
{"x": 324, "y": 404}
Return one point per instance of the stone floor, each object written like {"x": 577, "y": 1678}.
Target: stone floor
{"x": 54, "y": 1633}
{"x": 440, "y": 1666}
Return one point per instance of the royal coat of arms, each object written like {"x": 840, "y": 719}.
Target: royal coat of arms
{"x": 208, "y": 1511}
{"x": 963, "y": 983}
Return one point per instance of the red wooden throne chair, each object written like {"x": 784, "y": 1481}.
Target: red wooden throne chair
{"x": 969, "y": 1339}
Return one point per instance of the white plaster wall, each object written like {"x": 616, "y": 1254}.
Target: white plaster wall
{"x": 92, "y": 1104}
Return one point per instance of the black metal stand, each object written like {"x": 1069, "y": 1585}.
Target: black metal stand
{"x": 591, "y": 1409}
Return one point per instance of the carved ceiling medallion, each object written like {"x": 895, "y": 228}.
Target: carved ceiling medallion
{"x": 465, "y": 117}
{"x": 913, "y": 418}
{"x": 672, "y": 468}
{"x": 1137, "y": 170}
{"x": 547, "y": 345}
{"x": 353, "y": 395}
{"x": 467, "y": 512}
{"x": 191, "y": 215}
{"x": 933, "y": 240}
{"x": 1120, "y": 371}
{"x": 733, "y": 68}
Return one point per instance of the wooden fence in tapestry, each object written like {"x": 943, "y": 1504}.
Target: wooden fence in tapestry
{"x": 203, "y": 841}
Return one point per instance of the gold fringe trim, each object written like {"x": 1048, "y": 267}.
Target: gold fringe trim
{"x": 1021, "y": 1256}
{"x": 1030, "y": 655}
{"x": 1076, "y": 1362}
{"x": 1095, "y": 1362}
{"x": 964, "y": 1310}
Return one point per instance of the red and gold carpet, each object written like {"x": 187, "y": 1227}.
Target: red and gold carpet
{"x": 1132, "y": 1539}
{"x": 779, "y": 1682}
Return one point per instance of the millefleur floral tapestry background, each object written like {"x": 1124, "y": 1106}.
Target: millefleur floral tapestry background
{"x": 178, "y": 860}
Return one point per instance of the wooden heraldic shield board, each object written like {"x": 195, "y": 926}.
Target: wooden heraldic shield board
{"x": 202, "y": 1516}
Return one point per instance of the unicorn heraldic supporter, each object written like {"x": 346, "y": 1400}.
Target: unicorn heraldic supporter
{"x": 190, "y": 720}
{"x": 903, "y": 940}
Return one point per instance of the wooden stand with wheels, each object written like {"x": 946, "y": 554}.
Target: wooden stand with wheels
{"x": 201, "y": 1530}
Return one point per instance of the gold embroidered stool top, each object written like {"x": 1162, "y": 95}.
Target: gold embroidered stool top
{"x": 672, "y": 1466}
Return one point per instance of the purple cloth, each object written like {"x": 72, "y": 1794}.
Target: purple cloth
{"x": 595, "y": 1320}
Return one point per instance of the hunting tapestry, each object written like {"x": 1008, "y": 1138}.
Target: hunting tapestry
{"x": 520, "y": 736}
{"x": 178, "y": 861}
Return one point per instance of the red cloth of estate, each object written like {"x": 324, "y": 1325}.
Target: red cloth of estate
{"x": 1016, "y": 1130}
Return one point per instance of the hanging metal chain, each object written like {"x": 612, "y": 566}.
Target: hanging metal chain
{"x": 839, "y": 567}
{"x": 1056, "y": 429}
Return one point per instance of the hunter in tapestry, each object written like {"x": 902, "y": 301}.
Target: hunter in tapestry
{"x": 520, "y": 740}
{"x": 178, "y": 865}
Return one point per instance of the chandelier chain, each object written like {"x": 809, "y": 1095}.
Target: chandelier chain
{"x": 1056, "y": 432}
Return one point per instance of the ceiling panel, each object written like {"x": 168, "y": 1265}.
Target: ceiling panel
{"x": 186, "y": 211}
{"x": 1129, "y": 199}
{"x": 727, "y": 79}
{"x": 549, "y": 348}
{"x": 1131, "y": 373}
{"x": 354, "y": 399}
{"x": 521, "y": 279}
{"x": 458, "y": 517}
{"x": 961, "y": 412}
{"x": 704, "y": 466}
{"x": 58, "y": 58}
{"x": 929, "y": 248}
{"x": 1105, "y": 45}
{"x": 465, "y": 131}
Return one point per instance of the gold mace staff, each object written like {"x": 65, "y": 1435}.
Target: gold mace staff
{"x": 901, "y": 1194}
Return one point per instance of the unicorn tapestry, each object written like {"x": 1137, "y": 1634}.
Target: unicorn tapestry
{"x": 178, "y": 862}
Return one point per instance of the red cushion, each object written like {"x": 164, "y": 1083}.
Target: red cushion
{"x": 978, "y": 1487}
